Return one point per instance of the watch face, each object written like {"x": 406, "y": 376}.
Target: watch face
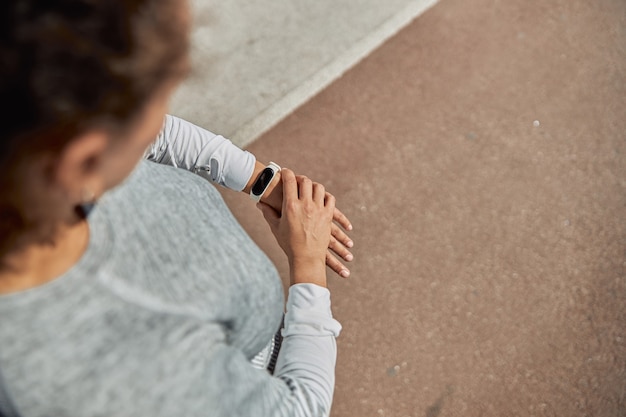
{"x": 263, "y": 181}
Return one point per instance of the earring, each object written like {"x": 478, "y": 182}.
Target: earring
{"x": 88, "y": 203}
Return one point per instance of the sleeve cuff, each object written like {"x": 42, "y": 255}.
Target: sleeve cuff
{"x": 309, "y": 312}
{"x": 228, "y": 165}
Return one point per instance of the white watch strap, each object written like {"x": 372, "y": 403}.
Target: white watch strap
{"x": 275, "y": 168}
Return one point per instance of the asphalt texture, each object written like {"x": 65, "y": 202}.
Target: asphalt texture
{"x": 481, "y": 156}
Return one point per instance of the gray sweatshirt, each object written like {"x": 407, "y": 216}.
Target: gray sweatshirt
{"x": 162, "y": 315}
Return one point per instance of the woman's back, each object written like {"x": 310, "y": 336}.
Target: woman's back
{"x": 129, "y": 329}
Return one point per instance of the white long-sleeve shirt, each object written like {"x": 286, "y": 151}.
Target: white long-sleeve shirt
{"x": 185, "y": 145}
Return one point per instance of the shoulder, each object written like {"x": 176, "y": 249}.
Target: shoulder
{"x": 156, "y": 196}
{"x": 168, "y": 213}
{"x": 174, "y": 236}
{"x": 177, "y": 247}
{"x": 150, "y": 180}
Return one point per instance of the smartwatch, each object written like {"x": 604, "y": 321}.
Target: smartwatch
{"x": 263, "y": 181}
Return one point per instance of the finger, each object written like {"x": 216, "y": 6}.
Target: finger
{"x": 341, "y": 218}
{"x": 329, "y": 203}
{"x": 319, "y": 193}
{"x": 334, "y": 264}
{"x": 306, "y": 189}
{"x": 290, "y": 186}
{"x": 340, "y": 249}
{"x": 341, "y": 236}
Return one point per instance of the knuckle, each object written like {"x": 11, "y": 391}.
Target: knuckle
{"x": 291, "y": 205}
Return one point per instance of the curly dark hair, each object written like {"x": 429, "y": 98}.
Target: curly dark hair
{"x": 70, "y": 65}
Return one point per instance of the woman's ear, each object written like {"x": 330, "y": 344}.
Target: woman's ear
{"x": 78, "y": 168}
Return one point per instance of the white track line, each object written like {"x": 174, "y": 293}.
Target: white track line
{"x": 267, "y": 119}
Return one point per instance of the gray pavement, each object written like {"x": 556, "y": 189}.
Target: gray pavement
{"x": 255, "y": 62}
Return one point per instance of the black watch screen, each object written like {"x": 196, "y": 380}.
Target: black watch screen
{"x": 263, "y": 181}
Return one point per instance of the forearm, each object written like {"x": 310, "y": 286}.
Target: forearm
{"x": 185, "y": 145}
{"x": 308, "y": 355}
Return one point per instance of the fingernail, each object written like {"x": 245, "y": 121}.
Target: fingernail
{"x": 350, "y": 244}
{"x": 349, "y": 257}
{"x": 349, "y": 227}
{"x": 344, "y": 273}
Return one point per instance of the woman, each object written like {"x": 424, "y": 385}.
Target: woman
{"x": 152, "y": 301}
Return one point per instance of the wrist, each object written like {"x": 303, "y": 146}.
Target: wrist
{"x": 258, "y": 168}
{"x": 273, "y": 195}
{"x": 307, "y": 271}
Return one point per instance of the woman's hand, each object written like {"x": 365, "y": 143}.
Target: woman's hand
{"x": 303, "y": 228}
{"x": 339, "y": 243}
